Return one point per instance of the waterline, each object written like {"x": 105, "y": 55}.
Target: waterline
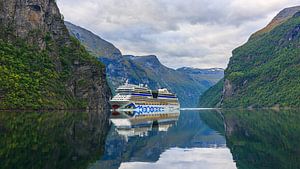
{"x": 189, "y": 109}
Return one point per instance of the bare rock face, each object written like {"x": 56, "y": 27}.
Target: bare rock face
{"x": 228, "y": 89}
{"x": 27, "y": 17}
{"x": 95, "y": 89}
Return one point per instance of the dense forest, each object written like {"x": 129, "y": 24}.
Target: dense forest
{"x": 29, "y": 79}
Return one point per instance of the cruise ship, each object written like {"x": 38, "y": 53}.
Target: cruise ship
{"x": 139, "y": 100}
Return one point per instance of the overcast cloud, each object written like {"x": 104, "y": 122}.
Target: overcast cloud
{"x": 197, "y": 33}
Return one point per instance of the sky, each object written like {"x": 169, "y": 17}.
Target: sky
{"x": 181, "y": 33}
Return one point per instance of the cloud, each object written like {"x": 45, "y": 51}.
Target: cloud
{"x": 198, "y": 33}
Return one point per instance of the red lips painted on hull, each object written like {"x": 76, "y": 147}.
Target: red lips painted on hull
{"x": 115, "y": 106}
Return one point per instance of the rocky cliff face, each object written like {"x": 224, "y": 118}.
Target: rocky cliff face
{"x": 31, "y": 16}
{"x": 77, "y": 78}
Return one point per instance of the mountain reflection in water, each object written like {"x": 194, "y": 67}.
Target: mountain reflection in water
{"x": 210, "y": 139}
{"x": 46, "y": 140}
{"x": 173, "y": 141}
{"x": 264, "y": 139}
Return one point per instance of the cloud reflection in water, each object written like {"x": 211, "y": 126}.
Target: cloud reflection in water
{"x": 195, "y": 158}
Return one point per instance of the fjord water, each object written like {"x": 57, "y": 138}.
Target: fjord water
{"x": 199, "y": 139}
{"x": 60, "y": 140}
{"x": 187, "y": 143}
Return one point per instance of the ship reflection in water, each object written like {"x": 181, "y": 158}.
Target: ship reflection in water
{"x": 140, "y": 125}
{"x": 167, "y": 139}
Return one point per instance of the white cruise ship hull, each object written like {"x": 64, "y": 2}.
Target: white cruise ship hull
{"x": 140, "y": 100}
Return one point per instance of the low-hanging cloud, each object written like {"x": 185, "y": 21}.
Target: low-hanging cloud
{"x": 198, "y": 33}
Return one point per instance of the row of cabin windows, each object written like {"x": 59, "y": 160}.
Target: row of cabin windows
{"x": 152, "y": 103}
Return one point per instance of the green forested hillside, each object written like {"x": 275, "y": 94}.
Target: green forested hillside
{"x": 29, "y": 79}
{"x": 265, "y": 71}
{"x": 25, "y": 76}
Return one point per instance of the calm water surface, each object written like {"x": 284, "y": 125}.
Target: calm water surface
{"x": 226, "y": 139}
{"x": 187, "y": 142}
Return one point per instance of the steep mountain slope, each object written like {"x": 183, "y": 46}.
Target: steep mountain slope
{"x": 213, "y": 96}
{"x": 265, "y": 71}
{"x": 41, "y": 66}
{"x": 280, "y": 18}
{"x": 187, "y": 83}
{"x": 95, "y": 45}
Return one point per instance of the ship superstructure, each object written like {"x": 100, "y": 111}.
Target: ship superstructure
{"x": 140, "y": 100}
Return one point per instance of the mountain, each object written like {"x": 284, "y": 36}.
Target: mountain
{"x": 94, "y": 44}
{"x": 42, "y": 66}
{"x": 265, "y": 71}
{"x": 212, "y": 75}
{"x": 213, "y": 96}
{"x": 280, "y": 18}
{"x": 148, "y": 70}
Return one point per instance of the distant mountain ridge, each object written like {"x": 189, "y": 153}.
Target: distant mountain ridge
{"x": 95, "y": 45}
{"x": 187, "y": 83}
{"x": 264, "y": 72}
{"x": 213, "y": 75}
{"x": 203, "y": 71}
